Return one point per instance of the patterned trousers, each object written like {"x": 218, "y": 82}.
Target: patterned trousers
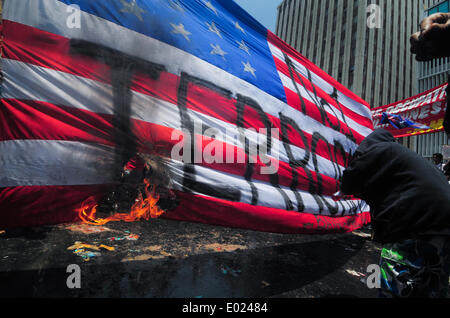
{"x": 416, "y": 268}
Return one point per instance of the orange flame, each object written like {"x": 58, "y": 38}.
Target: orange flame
{"x": 142, "y": 209}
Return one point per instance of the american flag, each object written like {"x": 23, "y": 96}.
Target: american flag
{"x": 175, "y": 64}
{"x": 399, "y": 122}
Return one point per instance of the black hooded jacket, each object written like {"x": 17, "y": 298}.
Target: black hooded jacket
{"x": 408, "y": 196}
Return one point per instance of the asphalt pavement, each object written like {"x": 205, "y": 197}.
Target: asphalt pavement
{"x": 168, "y": 259}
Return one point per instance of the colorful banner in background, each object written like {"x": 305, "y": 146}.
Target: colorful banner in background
{"x": 427, "y": 109}
{"x": 89, "y": 84}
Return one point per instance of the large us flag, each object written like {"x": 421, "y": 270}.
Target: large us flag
{"x": 88, "y": 83}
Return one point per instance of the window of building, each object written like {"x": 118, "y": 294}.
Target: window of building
{"x": 291, "y": 39}
{"x": 442, "y": 7}
{"x": 316, "y": 35}
{"x": 288, "y": 24}
{"x": 298, "y": 29}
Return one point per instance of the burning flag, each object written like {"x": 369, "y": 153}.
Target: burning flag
{"x": 241, "y": 130}
{"x": 145, "y": 208}
{"x": 135, "y": 197}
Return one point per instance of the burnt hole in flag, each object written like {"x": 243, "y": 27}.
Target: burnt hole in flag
{"x": 140, "y": 180}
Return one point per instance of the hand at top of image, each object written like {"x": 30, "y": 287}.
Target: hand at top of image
{"x": 433, "y": 39}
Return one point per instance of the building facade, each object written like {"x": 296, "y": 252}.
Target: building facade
{"x": 364, "y": 44}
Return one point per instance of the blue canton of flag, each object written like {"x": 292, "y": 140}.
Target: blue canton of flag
{"x": 210, "y": 30}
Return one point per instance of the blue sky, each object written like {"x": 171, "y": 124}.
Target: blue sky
{"x": 265, "y": 11}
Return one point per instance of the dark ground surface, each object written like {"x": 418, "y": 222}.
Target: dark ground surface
{"x": 184, "y": 260}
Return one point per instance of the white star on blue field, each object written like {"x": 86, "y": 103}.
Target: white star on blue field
{"x": 216, "y": 31}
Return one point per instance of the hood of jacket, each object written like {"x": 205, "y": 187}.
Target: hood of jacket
{"x": 377, "y": 136}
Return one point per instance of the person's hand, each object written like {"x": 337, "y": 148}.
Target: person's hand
{"x": 433, "y": 39}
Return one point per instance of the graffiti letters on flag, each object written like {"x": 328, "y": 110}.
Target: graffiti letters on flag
{"x": 202, "y": 72}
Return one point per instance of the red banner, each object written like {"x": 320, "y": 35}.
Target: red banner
{"x": 427, "y": 108}
{"x": 245, "y": 131}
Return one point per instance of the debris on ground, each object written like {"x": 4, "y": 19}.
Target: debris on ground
{"x": 361, "y": 234}
{"x": 165, "y": 254}
{"x": 142, "y": 257}
{"x": 224, "y": 247}
{"x": 109, "y": 248}
{"x": 116, "y": 238}
{"x": 265, "y": 284}
{"x": 134, "y": 251}
{"x": 354, "y": 273}
{"x": 85, "y": 228}
{"x": 152, "y": 248}
{"x": 226, "y": 269}
{"x": 129, "y": 237}
{"x": 79, "y": 245}
{"x": 82, "y": 249}
{"x": 86, "y": 255}
{"x": 145, "y": 257}
{"x": 132, "y": 237}
{"x": 264, "y": 260}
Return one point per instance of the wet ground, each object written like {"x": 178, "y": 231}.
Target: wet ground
{"x": 167, "y": 259}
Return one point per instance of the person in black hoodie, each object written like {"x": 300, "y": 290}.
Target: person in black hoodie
{"x": 410, "y": 212}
